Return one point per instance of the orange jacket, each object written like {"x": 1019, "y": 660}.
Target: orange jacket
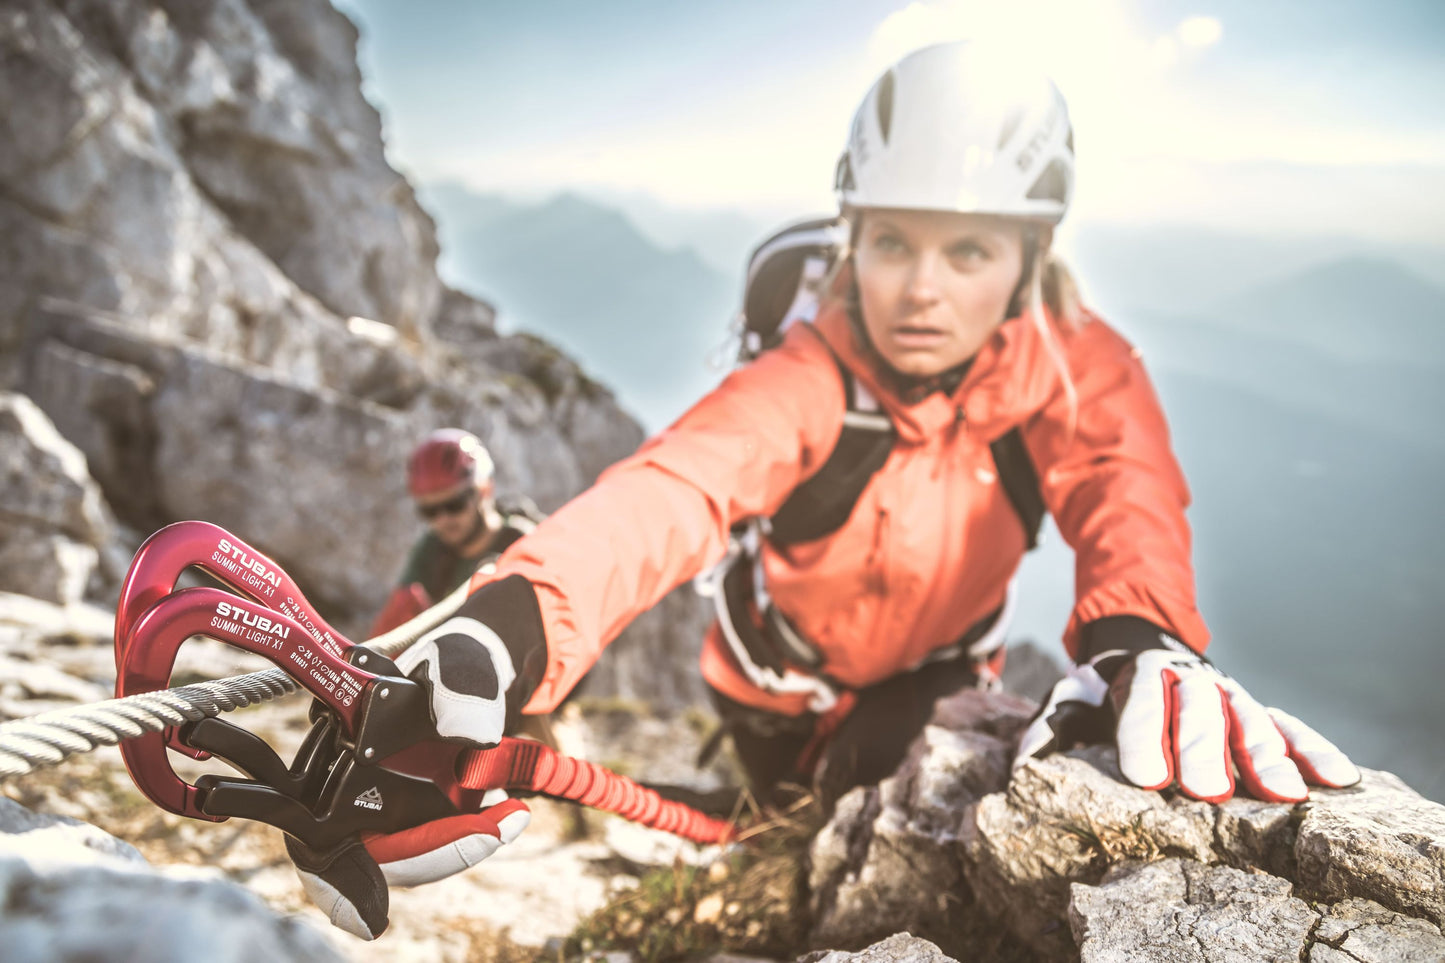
{"x": 933, "y": 541}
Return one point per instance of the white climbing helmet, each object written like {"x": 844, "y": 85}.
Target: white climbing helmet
{"x": 959, "y": 127}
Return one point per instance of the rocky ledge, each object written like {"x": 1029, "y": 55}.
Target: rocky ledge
{"x": 1066, "y": 861}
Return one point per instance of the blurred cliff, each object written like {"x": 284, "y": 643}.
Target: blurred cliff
{"x": 216, "y": 288}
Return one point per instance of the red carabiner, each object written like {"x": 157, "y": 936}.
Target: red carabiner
{"x": 159, "y": 562}
{"x": 161, "y": 559}
{"x": 150, "y": 655}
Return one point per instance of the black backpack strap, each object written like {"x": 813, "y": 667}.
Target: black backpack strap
{"x": 1020, "y": 483}
{"x": 823, "y": 503}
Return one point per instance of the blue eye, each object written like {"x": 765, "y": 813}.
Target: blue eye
{"x": 968, "y": 251}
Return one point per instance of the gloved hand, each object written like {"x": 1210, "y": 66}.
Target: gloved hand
{"x": 467, "y": 670}
{"x": 351, "y": 886}
{"x": 1176, "y": 718}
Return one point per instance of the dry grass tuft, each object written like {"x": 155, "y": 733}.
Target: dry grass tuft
{"x": 753, "y": 900}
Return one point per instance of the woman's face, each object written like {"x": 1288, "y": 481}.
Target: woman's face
{"x": 933, "y": 285}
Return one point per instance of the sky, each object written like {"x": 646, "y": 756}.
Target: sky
{"x": 1287, "y": 117}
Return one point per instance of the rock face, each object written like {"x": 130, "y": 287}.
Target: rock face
{"x": 53, "y": 521}
{"x": 1387, "y": 845}
{"x": 889, "y": 857}
{"x": 222, "y": 294}
{"x": 899, "y": 948}
{"x": 1065, "y": 858}
{"x": 71, "y": 892}
{"x": 1181, "y": 910}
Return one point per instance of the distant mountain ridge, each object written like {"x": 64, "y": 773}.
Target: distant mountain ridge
{"x": 1365, "y": 309}
{"x": 643, "y": 318}
{"x": 1186, "y": 269}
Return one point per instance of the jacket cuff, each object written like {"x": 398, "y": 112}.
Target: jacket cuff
{"x": 509, "y": 608}
{"x": 1178, "y": 617}
{"x": 1123, "y": 632}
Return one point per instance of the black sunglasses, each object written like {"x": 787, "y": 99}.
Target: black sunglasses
{"x": 452, "y": 506}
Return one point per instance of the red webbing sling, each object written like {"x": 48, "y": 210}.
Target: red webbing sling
{"x": 524, "y": 764}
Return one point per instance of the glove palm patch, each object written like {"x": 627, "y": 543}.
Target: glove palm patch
{"x": 461, "y": 671}
{"x": 467, "y": 670}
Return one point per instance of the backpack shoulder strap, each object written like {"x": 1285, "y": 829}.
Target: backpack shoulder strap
{"x": 1020, "y": 483}
{"x": 823, "y": 503}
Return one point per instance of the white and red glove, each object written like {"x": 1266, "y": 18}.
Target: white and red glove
{"x": 468, "y": 671}
{"x": 1178, "y": 719}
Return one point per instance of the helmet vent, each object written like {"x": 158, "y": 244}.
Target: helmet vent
{"x": 885, "y": 104}
{"x": 1010, "y": 125}
{"x": 843, "y": 176}
{"x": 1069, "y": 143}
{"x": 1052, "y": 185}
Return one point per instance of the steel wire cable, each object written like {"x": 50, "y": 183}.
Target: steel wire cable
{"x": 51, "y": 737}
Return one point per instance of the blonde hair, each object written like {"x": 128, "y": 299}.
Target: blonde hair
{"x": 1053, "y": 284}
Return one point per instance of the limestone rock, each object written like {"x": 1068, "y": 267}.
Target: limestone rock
{"x": 69, "y": 892}
{"x": 1064, "y": 819}
{"x": 102, "y": 405}
{"x": 1248, "y": 832}
{"x": 292, "y": 469}
{"x": 1181, "y": 910}
{"x": 227, "y": 299}
{"x": 44, "y": 564}
{"x": 1029, "y": 671}
{"x": 888, "y": 858}
{"x": 31, "y": 834}
{"x": 44, "y": 480}
{"x": 52, "y": 517}
{"x": 1380, "y": 841}
{"x": 899, "y": 948}
{"x": 1361, "y": 931}
{"x": 959, "y": 851}
{"x": 1176, "y": 910}
{"x": 28, "y": 625}
{"x": 22, "y": 679}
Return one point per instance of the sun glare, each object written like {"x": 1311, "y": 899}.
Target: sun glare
{"x": 1200, "y": 32}
{"x": 1165, "y": 126}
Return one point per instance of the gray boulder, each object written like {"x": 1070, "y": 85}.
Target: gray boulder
{"x": 899, "y": 948}
{"x": 1359, "y": 930}
{"x": 69, "y": 892}
{"x": 1182, "y": 910}
{"x": 1069, "y": 818}
{"x": 1064, "y": 857}
{"x": 888, "y": 859}
{"x": 1381, "y": 841}
{"x": 53, "y": 520}
{"x": 43, "y": 478}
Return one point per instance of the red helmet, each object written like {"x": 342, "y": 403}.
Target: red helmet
{"x": 447, "y": 458}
